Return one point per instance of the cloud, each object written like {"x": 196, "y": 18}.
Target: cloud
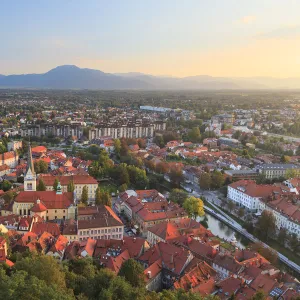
{"x": 247, "y": 19}
{"x": 281, "y": 33}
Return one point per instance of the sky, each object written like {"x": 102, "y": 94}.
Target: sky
{"x": 228, "y": 38}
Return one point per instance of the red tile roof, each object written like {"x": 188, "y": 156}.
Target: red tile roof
{"x": 49, "y": 198}
{"x": 200, "y": 279}
{"x": 39, "y": 228}
{"x": 65, "y": 180}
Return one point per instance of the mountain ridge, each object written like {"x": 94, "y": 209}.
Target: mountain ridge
{"x": 73, "y": 77}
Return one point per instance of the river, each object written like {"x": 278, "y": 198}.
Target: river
{"x": 223, "y": 231}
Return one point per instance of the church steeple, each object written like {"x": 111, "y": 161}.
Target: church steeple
{"x": 30, "y": 176}
{"x": 30, "y": 165}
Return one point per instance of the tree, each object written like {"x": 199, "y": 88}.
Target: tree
{"x": 217, "y": 179}
{"x": 41, "y": 185}
{"x": 194, "y": 207}
{"x": 178, "y": 196}
{"x": 55, "y": 184}
{"x": 259, "y": 295}
{"x": 291, "y": 173}
{"x": 71, "y": 187}
{"x": 6, "y": 185}
{"x": 285, "y": 159}
{"x": 241, "y": 212}
{"x": 133, "y": 272}
{"x": 205, "y": 181}
{"x": 294, "y": 242}
{"x": 176, "y": 176}
{"x": 43, "y": 267}
{"x": 266, "y": 225}
{"x": 40, "y": 166}
{"x": 282, "y": 236}
{"x": 123, "y": 187}
{"x": 268, "y": 253}
{"x": 194, "y": 135}
{"x": 98, "y": 199}
{"x": 84, "y": 195}
{"x": 230, "y": 205}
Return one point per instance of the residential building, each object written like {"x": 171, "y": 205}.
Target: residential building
{"x": 99, "y": 222}
{"x": 119, "y": 129}
{"x": 10, "y": 159}
{"x": 271, "y": 171}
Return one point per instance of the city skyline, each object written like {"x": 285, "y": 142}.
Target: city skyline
{"x": 228, "y": 39}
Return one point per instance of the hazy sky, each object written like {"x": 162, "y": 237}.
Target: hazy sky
{"x": 167, "y": 37}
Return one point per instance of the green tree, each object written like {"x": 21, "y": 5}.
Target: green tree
{"x": 43, "y": 267}
{"x": 117, "y": 146}
{"x": 178, "y": 196}
{"x": 217, "y": 179}
{"x": 84, "y": 195}
{"x": 259, "y": 295}
{"x": 98, "y": 199}
{"x": 291, "y": 173}
{"x": 194, "y": 207}
{"x": 6, "y": 185}
{"x": 294, "y": 242}
{"x": 133, "y": 272}
{"x": 55, "y": 184}
{"x": 194, "y": 135}
{"x": 205, "y": 181}
{"x": 285, "y": 159}
{"x": 282, "y": 236}
{"x": 176, "y": 176}
{"x": 123, "y": 187}
{"x": 266, "y": 225}
{"x": 41, "y": 185}
{"x": 71, "y": 186}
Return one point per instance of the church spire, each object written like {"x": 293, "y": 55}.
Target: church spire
{"x": 30, "y": 165}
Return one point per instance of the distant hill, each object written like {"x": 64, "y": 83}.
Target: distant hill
{"x": 72, "y": 77}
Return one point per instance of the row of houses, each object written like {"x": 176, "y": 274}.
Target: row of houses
{"x": 281, "y": 199}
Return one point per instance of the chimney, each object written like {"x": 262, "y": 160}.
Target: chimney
{"x": 134, "y": 239}
{"x": 38, "y": 201}
{"x": 149, "y": 274}
{"x": 172, "y": 258}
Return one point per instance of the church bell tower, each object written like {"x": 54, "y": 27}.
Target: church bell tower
{"x": 30, "y": 176}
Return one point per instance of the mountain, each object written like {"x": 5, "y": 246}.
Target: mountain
{"x": 72, "y": 77}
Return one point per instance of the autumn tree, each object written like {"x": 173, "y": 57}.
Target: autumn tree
{"x": 194, "y": 207}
